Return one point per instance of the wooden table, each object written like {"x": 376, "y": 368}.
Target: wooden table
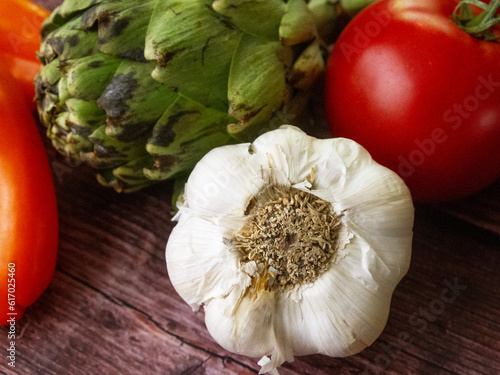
{"x": 111, "y": 308}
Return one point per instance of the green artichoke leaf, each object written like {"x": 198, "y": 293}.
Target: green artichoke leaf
{"x": 46, "y": 93}
{"x": 308, "y": 67}
{"x": 258, "y": 86}
{"x": 71, "y": 127}
{"x": 47, "y": 79}
{"x": 325, "y": 13}
{"x": 185, "y": 132}
{"x": 128, "y": 177}
{"x": 260, "y": 18}
{"x": 133, "y": 100}
{"x": 352, "y": 7}
{"x": 65, "y": 11}
{"x": 49, "y": 105}
{"x": 69, "y": 121}
{"x": 71, "y": 8}
{"x": 67, "y": 42}
{"x": 88, "y": 76}
{"x": 109, "y": 152}
{"x": 85, "y": 115}
{"x": 62, "y": 90}
{"x": 49, "y": 74}
{"x": 193, "y": 51}
{"x": 121, "y": 26}
{"x": 67, "y": 141}
{"x": 297, "y": 25}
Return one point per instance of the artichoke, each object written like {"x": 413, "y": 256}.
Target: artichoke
{"x": 141, "y": 90}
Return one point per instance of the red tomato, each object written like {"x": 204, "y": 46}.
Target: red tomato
{"x": 28, "y": 211}
{"x": 421, "y": 95}
{"x": 20, "y": 23}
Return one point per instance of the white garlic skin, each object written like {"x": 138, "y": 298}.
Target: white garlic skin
{"x": 346, "y": 308}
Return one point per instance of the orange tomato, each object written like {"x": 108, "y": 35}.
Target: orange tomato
{"x": 28, "y": 209}
{"x": 20, "y": 23}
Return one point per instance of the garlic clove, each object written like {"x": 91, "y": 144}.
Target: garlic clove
{"x": 377, "y": 207}
{"x": 324, "y": 326}
{"x": 287, "y": 152}
{"x": 205, "y": 268}
{"x": 223, "y": 182}
{"x": 242, "y": 325}
{"x": 354, "y": 305}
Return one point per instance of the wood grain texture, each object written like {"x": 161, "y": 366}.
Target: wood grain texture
{"x": 111, "y": 308}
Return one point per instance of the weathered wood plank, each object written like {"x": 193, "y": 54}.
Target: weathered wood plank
{"x": 481, "y": 209}
{"x": 76, "y": 329}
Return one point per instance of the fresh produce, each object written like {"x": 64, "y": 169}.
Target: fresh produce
{"x": 20, "y": 22}
{"x": 29, "y": 226}
{"x": 142, "y": 90}
{"x": 293, "y": 245}
{"x": 422, "y": 95}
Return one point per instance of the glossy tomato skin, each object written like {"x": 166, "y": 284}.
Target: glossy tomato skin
{"x": 28, "y": 209}
{"x": 20, "y": 23}
{"x": 422, "y": 96}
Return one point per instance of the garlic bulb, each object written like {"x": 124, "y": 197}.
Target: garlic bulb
{"x": 293, "y": 245}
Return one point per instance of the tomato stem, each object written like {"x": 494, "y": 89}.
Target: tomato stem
{"x": 479, "y": 26}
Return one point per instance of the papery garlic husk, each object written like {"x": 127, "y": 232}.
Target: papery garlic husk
{"x": 261, "y": 304}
